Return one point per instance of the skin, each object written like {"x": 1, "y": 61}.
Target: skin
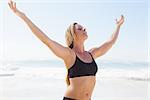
{"x": 80, "y": 88}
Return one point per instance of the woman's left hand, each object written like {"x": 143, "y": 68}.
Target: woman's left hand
{"x": 13, "y": 7}
{"x": 120, "y": 22}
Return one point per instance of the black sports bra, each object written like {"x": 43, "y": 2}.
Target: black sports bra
{"x": 81, "y": 68}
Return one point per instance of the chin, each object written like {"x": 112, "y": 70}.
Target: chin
{"x": 86, "y": 37}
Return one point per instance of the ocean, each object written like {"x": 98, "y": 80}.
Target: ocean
{"x": 56, "y": 69}
{"x": 45, "y": 80}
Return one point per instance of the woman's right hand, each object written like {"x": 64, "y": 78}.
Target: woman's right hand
{"x": 12, "y": 6}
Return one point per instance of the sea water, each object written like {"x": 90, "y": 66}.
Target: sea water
{"x": 57, "y": 69}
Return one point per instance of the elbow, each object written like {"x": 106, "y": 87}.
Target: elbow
{"x": 111, "y": 41}
{"x": 47, "y": 41}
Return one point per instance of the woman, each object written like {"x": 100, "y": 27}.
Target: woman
{"x": 80, "y": 64}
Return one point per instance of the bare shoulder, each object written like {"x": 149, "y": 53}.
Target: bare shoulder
{"x": 92, "y": 51}
{"x": 70, "y": 59}
{"x": 71, "y": 52}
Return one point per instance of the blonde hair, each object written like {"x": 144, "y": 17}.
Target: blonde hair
{"x": 69, "y": 41}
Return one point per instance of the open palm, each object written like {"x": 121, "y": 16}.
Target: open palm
{"x": 13, "y": 7}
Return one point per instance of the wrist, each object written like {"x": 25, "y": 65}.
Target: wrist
{"x": 20, "y": 14}
{"x": 118, "y": 26}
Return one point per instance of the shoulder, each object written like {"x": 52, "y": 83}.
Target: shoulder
{"x": 71, "y": 52}
{"x": 92, "y": 52}
{"x": 70, "y": 59}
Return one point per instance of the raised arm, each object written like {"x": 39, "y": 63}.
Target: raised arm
{"x": 57, "y": 49}
{"x": 99, "y": 51}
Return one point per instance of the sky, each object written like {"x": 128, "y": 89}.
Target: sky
{"x": 53, "y": 17}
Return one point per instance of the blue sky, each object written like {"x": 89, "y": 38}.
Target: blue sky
{"x": 53, "y": 17}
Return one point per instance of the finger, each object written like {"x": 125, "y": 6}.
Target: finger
{"x": 9, "y": 5}
{"x": 122, "y": 17}
{"x": 11, "y": 2}
{"x": 116, "y": 20}
{"x": 15, "y": 5}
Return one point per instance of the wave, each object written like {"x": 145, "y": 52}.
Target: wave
{"x": 129, "y": 74}
{"x": 138, "y": 79}
{"x": 58, "y": 71}
{"x": 6, "y": 74}
{"x": 9, "y": 67}
{"x": 7, "y": 70}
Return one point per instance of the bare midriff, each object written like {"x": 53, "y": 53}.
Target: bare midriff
{"x": 81, "y": 88}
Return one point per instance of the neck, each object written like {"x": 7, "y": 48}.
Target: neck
{"x": 79, "y": 47}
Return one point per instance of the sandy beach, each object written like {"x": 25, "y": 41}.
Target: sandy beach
{"x": 49, "y": 84}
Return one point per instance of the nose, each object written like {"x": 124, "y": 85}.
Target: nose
{"x": 84, "y": 29}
